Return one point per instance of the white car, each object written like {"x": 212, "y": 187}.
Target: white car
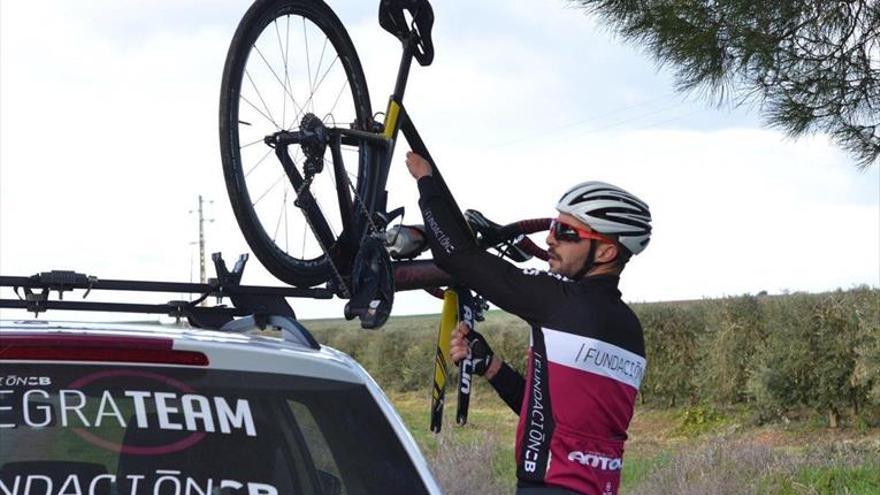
{"x": 125, "y": 409}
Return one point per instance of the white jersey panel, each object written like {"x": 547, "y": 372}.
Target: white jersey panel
{"x": 594, "y": 356}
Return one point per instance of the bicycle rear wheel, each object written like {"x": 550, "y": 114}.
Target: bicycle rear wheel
{"x": 290, "y": 58}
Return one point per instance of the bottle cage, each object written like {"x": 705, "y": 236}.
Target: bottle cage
{"x": 393, "y": 20}
{"x": 372, "y": 285}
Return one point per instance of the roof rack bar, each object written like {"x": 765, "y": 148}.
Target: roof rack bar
{"x": 164, "y": 309}
{"x": 260, "y": 302}
{"x": 146, "y": 286}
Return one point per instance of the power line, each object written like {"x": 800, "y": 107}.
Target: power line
{"x": 554, "y": 132}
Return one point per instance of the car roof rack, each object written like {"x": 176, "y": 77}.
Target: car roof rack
{"x": 258, "y": 306}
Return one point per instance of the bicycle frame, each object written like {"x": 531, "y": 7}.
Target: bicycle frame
{"x": 360, "y": 257}
{"x": 372, "y": 195}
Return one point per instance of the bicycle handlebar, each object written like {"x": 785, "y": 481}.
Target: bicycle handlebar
{"x": 424, "y": 274}
{"x": 533, "y": 249}
{"x": 529, "y": 226}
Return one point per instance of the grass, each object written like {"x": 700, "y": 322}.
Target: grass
{"x": 462, "y": 457}
{"x": 637, "y": 468}
{"x": 824, "y": 480}
{"x": 687, "y": 451}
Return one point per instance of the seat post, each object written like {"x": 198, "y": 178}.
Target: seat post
{"x": 403, "y": 71}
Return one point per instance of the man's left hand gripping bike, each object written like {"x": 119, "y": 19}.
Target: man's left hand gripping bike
{"x": 306, "y": 163}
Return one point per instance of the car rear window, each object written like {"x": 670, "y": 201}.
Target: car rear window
{"x": 74, "y": 429}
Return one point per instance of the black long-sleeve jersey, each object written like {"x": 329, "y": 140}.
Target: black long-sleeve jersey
{"x": 585, "y": 364}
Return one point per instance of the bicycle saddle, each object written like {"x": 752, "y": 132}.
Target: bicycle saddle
{"x": 392, "y": 19}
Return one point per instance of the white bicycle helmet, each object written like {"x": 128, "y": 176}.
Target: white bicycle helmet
{"x": 608, "y": 209}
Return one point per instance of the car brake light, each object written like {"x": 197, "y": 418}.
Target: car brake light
{"x": 96, "y": 348}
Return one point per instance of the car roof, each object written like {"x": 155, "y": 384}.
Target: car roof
{"x": 225, "y": 350}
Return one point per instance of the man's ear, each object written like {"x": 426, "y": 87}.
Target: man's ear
{"x": 606, "y": 253}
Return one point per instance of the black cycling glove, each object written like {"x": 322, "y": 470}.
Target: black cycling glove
{"x": 480, "y": 355}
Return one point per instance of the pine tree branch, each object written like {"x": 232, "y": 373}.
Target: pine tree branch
{"x": 811, "y": 65}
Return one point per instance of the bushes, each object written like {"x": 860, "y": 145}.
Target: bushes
{"x": 776, "y": 354}
{"x": 509, "y": 338}
{"x": 735, "y": 332}
{"x": 671, "y": 348}
{"x": 780, "y": 380}
{"x": 779, "y": 355}
{"x": 867, "y": 346}
{"x": 810, "y": 357}
{"x": 836, "y": 324}
{"x": 400, "y": 357}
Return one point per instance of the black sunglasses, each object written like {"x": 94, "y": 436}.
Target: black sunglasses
{"x": 569, "y": 233}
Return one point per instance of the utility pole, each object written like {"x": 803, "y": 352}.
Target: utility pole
{"x": 203, "y": 276}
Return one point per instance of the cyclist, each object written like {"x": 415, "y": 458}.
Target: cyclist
{"x": 586, "y": 357}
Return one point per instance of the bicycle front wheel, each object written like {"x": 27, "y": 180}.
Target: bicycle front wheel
{"x": 289, "y": 59}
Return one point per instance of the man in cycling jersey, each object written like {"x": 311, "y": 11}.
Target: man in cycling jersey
{"x": 586, "y": 356}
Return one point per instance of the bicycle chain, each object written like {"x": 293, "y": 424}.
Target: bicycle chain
{"x": 344, "y": 288}
{"x": 373, "y": 230}
{"x": 363, "y": 206}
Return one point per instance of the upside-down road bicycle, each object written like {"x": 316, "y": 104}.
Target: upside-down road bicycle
{"x": 306, "y": 163}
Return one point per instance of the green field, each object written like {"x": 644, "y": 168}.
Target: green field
{"x": 668, "y": 452}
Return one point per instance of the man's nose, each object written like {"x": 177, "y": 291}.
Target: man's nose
{"x": 551, "y": 239}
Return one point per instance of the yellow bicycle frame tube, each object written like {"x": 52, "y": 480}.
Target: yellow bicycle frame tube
{"x": 448, "y": 322}
{"x": 391, "y": 119}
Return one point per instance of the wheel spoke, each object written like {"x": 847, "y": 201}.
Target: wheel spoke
{"x": 259, "y": 111}
{"x": 304, "y": 234}
{"x": 338, "y": 96}
{"x": 310, "y": 101}
{"x": 284, "y": 52}
{"x": 286, "y": 226}
{"x": 321, "y": 58}
{"x": 280, "y": 216}
{"x": 260, "y": 96}
{"x": 323, "y": 77}
{"x": 261, "y": 160}
{"x": 332, "y": 167}
{"x": 273, "y": 186}
{"x": 251, "y": 144}
{"x": 308, "y": 60}
{"x": 283, "y": 86}
{"x": 275, "y": 74}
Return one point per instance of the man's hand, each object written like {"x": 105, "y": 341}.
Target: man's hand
{"x": 418, "y": 166}
{"x": 481, "y": 355}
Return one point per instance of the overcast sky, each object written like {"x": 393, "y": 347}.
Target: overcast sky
{"x": 108, "y": 133}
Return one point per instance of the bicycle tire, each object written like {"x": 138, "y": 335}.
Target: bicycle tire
{"x": 306, "y": 269}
